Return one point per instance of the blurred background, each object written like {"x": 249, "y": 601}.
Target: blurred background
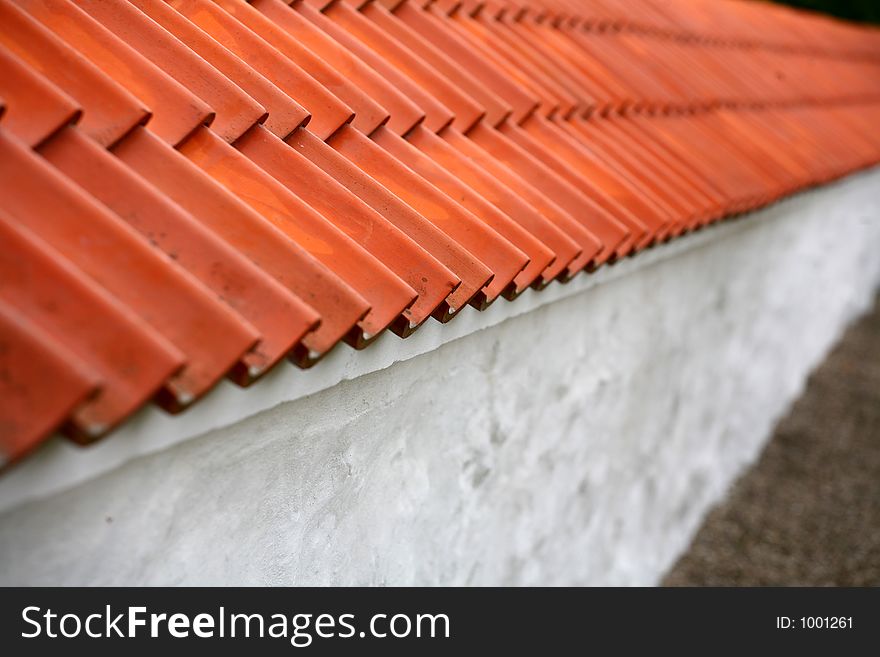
{"x": 857, "y": 10}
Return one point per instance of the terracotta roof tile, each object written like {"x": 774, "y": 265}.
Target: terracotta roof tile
{"x": 235, "y": 111}
{"x": 502, "y": 258}
{"x": 283, "y": 114}
{"x": 465, "y": 109}
{"x": 368, "y": 114}
{"x": 212, "y": 337}
{"x": 281, "y": 317}
{"x": 38, "y": 108}
{"x": 386, "y": 294}
{"x": 436, "y": 114}
{"x": 131, "y": 359}
{"x": 109, "y": 110}
{"x": 233, "y": 182}
{"x": 539, "y": 256}
{"x": 328, "y": 113}
{"x": 175, "y": 111}
{"x": 338, "y": 305}
{"x": 472, "y": 273}
{"x": 41, "y": 382}
{"x": 401, "y": 113}
{"x": 489, "y": 183}
{"x": 411, "y": 263}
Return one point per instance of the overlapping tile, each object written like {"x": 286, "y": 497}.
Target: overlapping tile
{"x": 219, "y": 183}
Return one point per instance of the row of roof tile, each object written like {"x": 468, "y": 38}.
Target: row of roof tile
{"x": 199, "y": 189}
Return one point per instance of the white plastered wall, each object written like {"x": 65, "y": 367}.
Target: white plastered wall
{"x": 577, "y": 440}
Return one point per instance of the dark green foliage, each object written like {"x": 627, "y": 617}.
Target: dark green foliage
{"x": 857, "y": 10}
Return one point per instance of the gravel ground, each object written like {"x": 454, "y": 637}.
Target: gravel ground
{"x": 808, "y": 512}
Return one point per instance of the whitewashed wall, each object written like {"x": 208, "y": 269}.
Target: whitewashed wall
{"x": 580, "y": 442}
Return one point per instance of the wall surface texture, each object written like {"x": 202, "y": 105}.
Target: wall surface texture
{"x": 579, "y": 443}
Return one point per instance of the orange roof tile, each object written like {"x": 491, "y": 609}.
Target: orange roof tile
{"x": 194, "y": 189}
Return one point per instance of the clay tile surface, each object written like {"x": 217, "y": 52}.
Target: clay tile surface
{"x": 175, "y": 111}
{"x": 39, "y": 108}
{"x": 130, "y": 357}
{"x": 199, "y": 189}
